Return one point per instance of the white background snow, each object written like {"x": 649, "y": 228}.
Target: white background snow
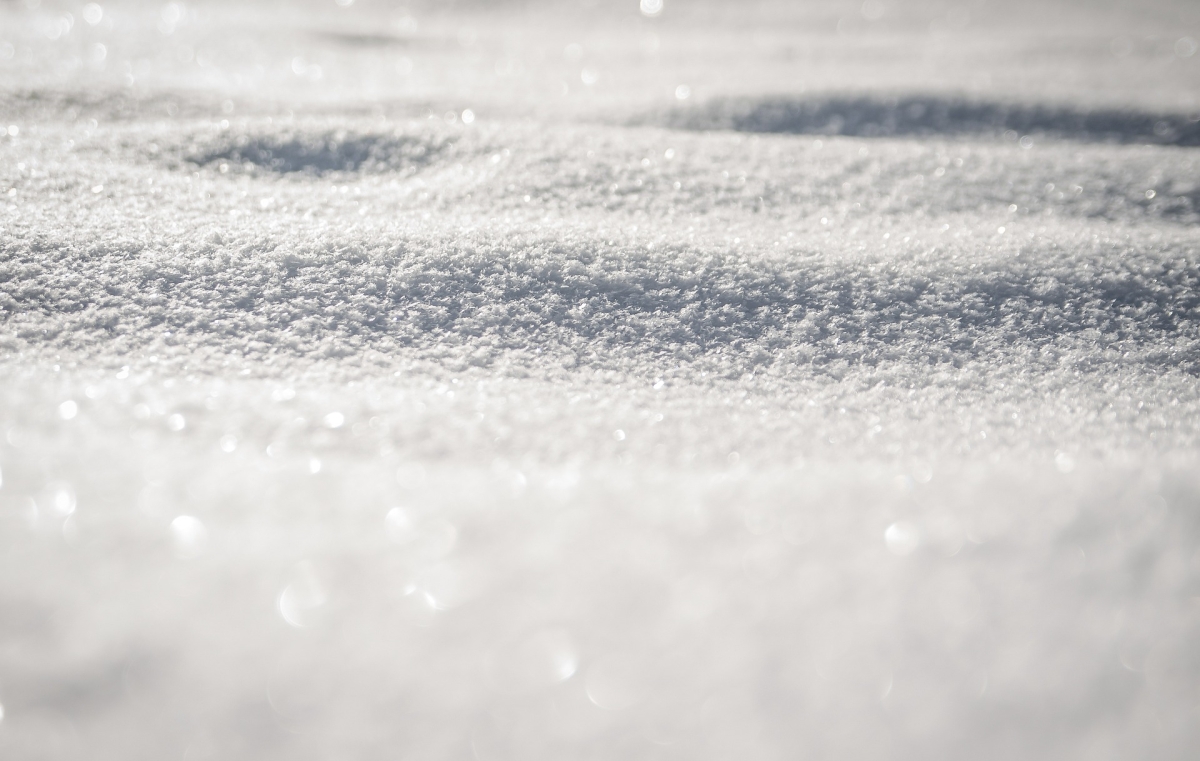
{"x": 532, "y": 380}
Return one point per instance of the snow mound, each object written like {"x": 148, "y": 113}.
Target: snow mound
{"x": 927, "y": 115}
{"x": 315, "y": 293}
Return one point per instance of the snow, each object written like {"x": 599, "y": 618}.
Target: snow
{"x": 664, "y": 407}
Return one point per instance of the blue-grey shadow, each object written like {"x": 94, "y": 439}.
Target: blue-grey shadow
{"x": 930, "y": 116}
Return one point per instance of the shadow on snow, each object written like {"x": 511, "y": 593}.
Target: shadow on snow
{"x": 925, "y": 115}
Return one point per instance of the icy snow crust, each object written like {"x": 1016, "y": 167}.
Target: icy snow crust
{"x": 766, "y": 425}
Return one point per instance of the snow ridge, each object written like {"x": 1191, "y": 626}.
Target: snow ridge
{"x": 578, "y": 296}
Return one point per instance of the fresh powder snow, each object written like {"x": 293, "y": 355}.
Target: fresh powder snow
{"x": 599, "y": 379}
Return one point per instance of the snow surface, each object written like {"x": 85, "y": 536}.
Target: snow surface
{"x": 555, "y": 380}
